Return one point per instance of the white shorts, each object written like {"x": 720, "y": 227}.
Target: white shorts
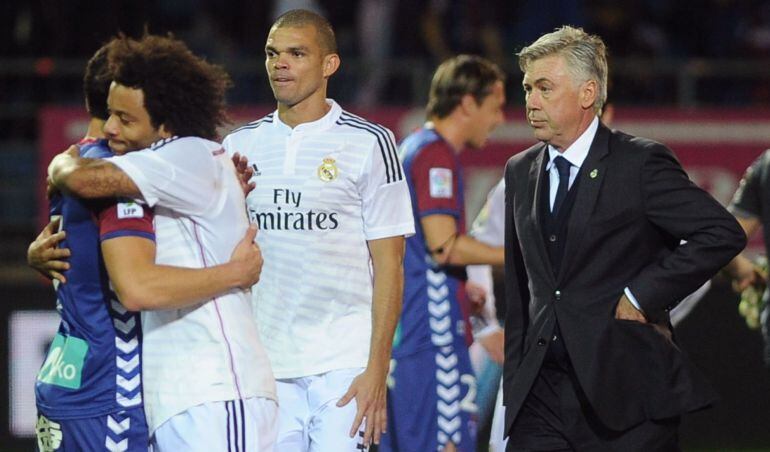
{"x": 233, "y": 426}
{"x": 310, "y": 420}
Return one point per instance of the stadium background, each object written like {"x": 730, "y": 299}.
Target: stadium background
{"x": 692, "y": 74}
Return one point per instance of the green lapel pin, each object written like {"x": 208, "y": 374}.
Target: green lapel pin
{"x": 594, "y": 172}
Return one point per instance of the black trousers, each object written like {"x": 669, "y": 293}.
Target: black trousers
{"x": 556, "y": 416}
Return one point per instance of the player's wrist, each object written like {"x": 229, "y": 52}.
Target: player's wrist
{"x": 236, "y": 274}
{"x": 378, "y": 367}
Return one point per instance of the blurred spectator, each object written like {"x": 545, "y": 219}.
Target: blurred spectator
{"x": 282, "y": 6}
{"x": 390, "y": 46}
{"x": 374, "y": 26}
{"x": 757, "y": 35}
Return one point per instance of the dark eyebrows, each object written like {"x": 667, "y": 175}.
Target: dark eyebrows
{"x": 121, "y": 114}
{"x": 270, "y": 48}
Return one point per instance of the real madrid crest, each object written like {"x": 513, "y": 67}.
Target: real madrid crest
{"x": 328, "y": 171}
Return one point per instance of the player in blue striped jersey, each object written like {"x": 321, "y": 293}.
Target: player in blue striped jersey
{"x": 432, "y": 386}
{"x": 89, "y": 389}
{"x": 203, "y": 361}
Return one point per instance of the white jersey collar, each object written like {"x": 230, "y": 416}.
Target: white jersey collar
{"x": 325, "y": 122}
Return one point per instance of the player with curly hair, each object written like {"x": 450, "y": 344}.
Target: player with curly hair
{"x": 207, "y": 381}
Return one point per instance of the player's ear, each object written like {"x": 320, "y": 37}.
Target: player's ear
{"x": 468, "y": 104}
{"x": 164, "y": 132}
{"x": 588, "y": 93}
{"x": 330, "y": 64}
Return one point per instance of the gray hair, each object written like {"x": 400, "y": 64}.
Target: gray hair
{"x": 586, "y": 56}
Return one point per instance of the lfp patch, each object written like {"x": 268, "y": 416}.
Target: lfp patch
{"x": 440, "y": 182}
{"x": 130, "y": 209}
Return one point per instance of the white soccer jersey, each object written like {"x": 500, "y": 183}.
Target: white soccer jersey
{"x": 211, "y": 351}
{"x": 489, "y": 226}
{"x": 323, "y": 189}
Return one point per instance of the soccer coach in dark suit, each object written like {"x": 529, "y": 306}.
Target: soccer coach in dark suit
{"x": 595, "y": 220}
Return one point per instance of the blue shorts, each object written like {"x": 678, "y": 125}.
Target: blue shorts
{"x": 122, "y": 431}
{"x": 431, "y": 401}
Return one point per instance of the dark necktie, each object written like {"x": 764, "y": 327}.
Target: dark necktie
{"x": 562, "y": 166}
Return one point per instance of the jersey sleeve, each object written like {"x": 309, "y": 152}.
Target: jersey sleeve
{"x": 125, "y": 218}
{"x": 435, "y": 183}
{"x": 489, "y": 225}
{"x": 747, "y": 201}
{"x": 228, "y": 146}
{"x": 181, "y": 175}
{"x": 387, "y": 208}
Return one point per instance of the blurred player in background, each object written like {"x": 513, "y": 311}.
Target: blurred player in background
{"x": 432, "y": 388}
{"x": 751, "y": 206}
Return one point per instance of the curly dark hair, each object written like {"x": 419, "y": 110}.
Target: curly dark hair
{"x": 96, "y": 83}
{"x": 182, "y": 91}
{"x": 458, "y": 76}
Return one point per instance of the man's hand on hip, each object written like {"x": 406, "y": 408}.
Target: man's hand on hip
{"x": 627, "y": 311}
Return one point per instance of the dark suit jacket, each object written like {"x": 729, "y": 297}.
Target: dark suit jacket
{"x": 634, "y": 204}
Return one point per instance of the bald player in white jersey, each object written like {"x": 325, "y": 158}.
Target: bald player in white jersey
{"x": 333, "y": 208}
